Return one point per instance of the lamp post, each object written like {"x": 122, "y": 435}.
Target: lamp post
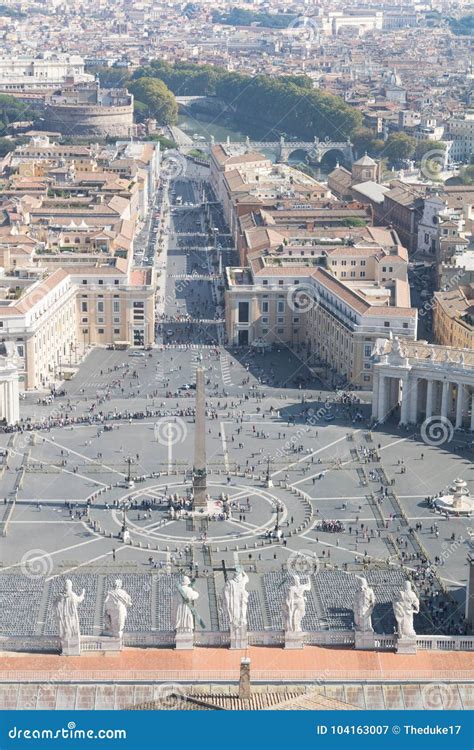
{"x": 268, "y": 481}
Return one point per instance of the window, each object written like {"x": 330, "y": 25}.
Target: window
{"x": 116, "y": 306}
{"x": 343, "y": 262}
{"x": 100, "y": 306}
{"x": 405, "y": 325}
{"x": 116, "y": 330}
{"x": 84, "y": 320}
{"x": 84, "y": 281}
{"x": 366, "y": 378}
{"x": 280, "y": 320}
{"x": 265, "y": 307}
{"x": 367, "y": 350}
{"x": 362, "y": 274}
{"x": 280, "y": 330}
{"x": 138, "y": 304}
{"x": 264, "y": 320}
{"x": 386, "y": 324}
{"x": 280, "y": 307}
{"x": 101, "y": 281}
{"x": 362, "y": 263}
{"x": 116, "y": 281}
{"x": 100, "y": 331}
{"x": 243, "y": 315}
{"x": 280, "y": 283}
{"x": 265, "y": 282}
{"x": 353, "y": 263}
{"x": 83, "y": 306}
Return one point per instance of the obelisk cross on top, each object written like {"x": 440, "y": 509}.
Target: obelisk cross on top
{"x": 199, "y": 468}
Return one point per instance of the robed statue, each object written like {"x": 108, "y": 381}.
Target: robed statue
{"x": 405, "y": 605}
{"x": 294, "y": 606}
{"x": 185, "y": 613}
{"x": 66, "y": 610}
{"x": 235, "y": 599}
{"x": 116, "y": 605}
{"x": 364, "y": 604}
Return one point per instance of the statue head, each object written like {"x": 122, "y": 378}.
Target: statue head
{"x": 408, "y": 586}
{"x": 118, "y": 583}
{"x": 296, "y": 580}
{"x": 68, "y": 586}
{"x": 186, "y": 581}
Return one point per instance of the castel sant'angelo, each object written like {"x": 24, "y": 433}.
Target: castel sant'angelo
{"x": 86, "y": 110}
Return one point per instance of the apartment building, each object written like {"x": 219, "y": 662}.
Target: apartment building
{"x": 453, "y": 317}
{"x": 330, "y": 303}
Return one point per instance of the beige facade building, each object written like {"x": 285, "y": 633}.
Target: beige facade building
{"x": 453, "y": 317}
{"x": 329, "y": 302}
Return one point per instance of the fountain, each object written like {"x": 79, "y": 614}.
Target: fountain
{"x": 458, "y": 500}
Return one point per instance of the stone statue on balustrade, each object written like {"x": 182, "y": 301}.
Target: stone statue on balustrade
{"x": 294, "y": 609}
{"x": 186, "y": 615}
{"x": 405, "y": 605}
{"x": 116, "y": 605}
{"x": 294, "y": 606}
{"x": 234, "y": 601}
{"x": 67, "y": 614}
{"x": 364, "y": 604}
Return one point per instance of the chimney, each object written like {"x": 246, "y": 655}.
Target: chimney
{"x": 244, "y": 681}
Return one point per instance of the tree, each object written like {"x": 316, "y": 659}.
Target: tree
{"x": 466, "y": 175}
{"x": 365, "y": 139}
{"x": 399, "y": 147}
{"x": 423, "y": 147}
{"x": 6, "y": 145}
{"x": 158, "y": 98}
{"x": 111, "y": 77}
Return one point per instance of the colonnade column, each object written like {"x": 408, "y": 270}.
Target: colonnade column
{"x": 460, "y": 404}
{"x": 429, "y": 399}
{"x": 444, "y": 399}
{"x": 382, "y": 412}
{"x": 405, "y": 405}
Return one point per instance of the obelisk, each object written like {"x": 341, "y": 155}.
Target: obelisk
{"x": 199, "y": 468}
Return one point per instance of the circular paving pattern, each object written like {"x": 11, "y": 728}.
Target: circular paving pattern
{"x": 255, "y": 512}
